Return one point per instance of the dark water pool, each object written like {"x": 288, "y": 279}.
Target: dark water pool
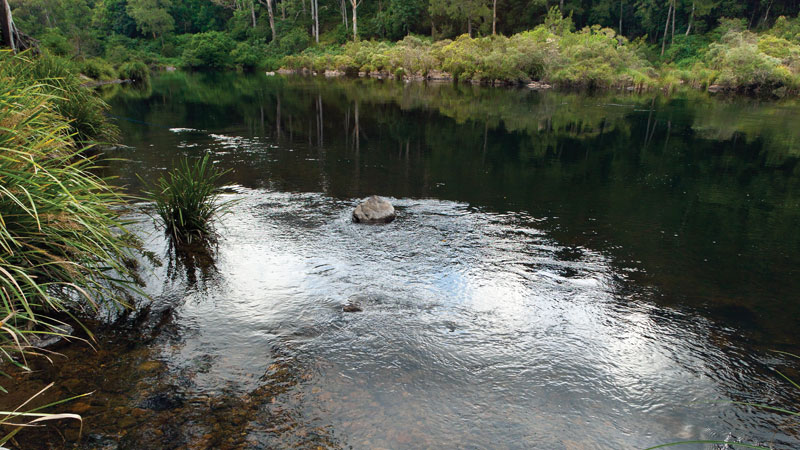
{"x": 567, "y": 271}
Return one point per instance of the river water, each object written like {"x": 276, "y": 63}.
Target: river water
{"x": 567, "y": 271}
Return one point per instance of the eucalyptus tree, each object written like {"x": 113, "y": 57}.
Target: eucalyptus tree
{"x": 152, "y": 17}
{"x": 355, "y": 4}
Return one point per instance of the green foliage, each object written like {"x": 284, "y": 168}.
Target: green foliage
{"x": 742, "y": 65}
{"x": 292, "y": 42}
{"x": 248, "y": 55}
{"x": 56, "y": 43}
{"x": 533, "y": 42}
{"x": 786, "y": 28}
{"x": 136, "y": 71}
{"x": 211, "y": 50}
{"x": 591, "y": 57}
{"x": 187, "y": 200}
{"x": 151, "y": 16}
{"x": 64, "y": 248}
{"x": 83, "y": 111}
{"x": 687, "y": 50}
{"x": 98, "y": 69}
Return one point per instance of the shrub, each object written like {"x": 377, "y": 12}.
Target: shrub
{"x": 248, "y": 55}
{"x": 186, "y": 200}
{"x": 136, "y": 71}
{"x": 294, "y": 41}
{"x": 211, "y": 50}
{"x": 56, "y": 43}
{"x": 98, "y": 69}
{"x": 788, "y": 29}
{"x": 741, "y": 65}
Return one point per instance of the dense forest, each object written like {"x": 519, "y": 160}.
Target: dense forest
{"x": 735, "y": 44}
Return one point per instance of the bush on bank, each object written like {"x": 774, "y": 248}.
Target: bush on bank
{"x": 593, "y": 57}
{"x": 552, "y": 52}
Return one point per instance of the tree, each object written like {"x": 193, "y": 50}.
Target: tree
{"x": 271, "y": 14}
{"x": 355, "y": 4}
{"x": 6, "y": 26}
{"x": 461, "y": 11}
{"x": 494, "y": 17}
{"x": 151, "y": 17}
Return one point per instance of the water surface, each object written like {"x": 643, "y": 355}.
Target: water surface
{"x": 567, "y": 271}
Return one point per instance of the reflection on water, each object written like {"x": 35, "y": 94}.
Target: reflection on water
{"x": 566, "y": 271}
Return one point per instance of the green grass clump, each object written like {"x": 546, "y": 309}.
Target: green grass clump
{"x": 83, "y": 111}
{"x": 187, "y": 200}
{"x": 64, "y": 248}
{"x": 136, "y": 71}
{"x": 98, "y": 69}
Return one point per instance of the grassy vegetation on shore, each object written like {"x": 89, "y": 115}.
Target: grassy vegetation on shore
{"x": 745, "y": 46}
{"x": 66, "y": 252}
{"x": 593, "y": 57}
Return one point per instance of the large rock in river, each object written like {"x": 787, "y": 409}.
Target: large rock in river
{"x": 374, "y": 210}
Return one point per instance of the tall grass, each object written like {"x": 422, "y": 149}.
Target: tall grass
{"x": 82, "y": 110}
{"x": 21, "y": 418}
{"x": 187, "y": 199}
{"x": 63, "y": 249}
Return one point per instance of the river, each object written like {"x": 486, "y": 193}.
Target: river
{"x": 567, "y": 271}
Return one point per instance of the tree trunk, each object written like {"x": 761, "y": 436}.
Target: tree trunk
{"x": 620, "y": 17}
{"x": 6, "y": 26}
{"x": 344, "y": 15}
{"x": 355, "y": 3}
{"x": 674, "y": 13}
{"x": 766, "y": 15}
{"x": 469, "y": 26}
{"x": 691, "y": 20}
{"x": 316, "y": 19}
{"x": 253, "y": 12}
{"x": 666, "y": 29}
{"x": 494, "y": 17}
{"x": 271, "y": 14}
{"x": 561, "y": 7}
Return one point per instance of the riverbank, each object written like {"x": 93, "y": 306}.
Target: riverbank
{"x": 66, "y": 252}
{"x": 552, "y": 54}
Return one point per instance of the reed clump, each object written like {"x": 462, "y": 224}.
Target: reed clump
{"x": 64, "y": 250}
{"x": 187, "y": 200}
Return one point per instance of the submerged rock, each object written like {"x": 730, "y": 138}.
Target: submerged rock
{"x": 374, "y": 210}
{"x": 352, "y": 307}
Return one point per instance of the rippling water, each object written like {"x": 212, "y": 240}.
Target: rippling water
{"x": 565, "y": 272}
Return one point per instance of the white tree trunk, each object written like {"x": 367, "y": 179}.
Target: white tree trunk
{"x": 666, "y": 30}
{"x": 494, "y": 17}
{"x": 316, "y": 20}
{"x": 355, "y": 4}
{"x": 271, "y": 14}
{"x": 691, "y": 21}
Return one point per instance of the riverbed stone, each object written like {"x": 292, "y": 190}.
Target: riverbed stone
{"x": 374, "y": 210}
{"x": 352, "y": 307}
